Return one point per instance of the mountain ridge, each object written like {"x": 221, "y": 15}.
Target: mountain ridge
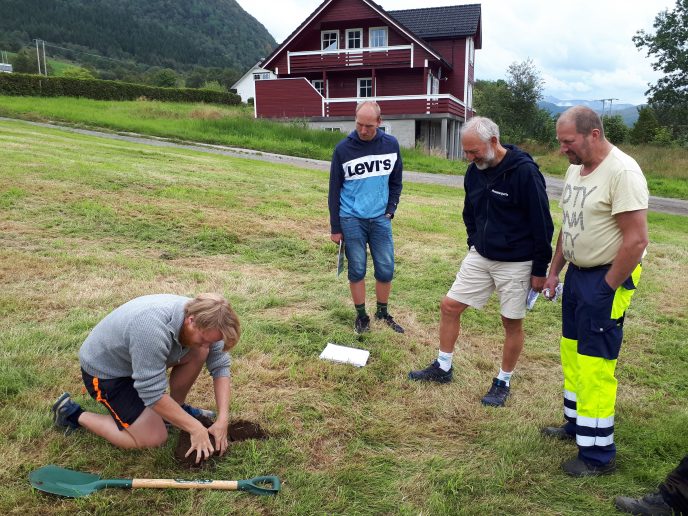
{"x": 555, "y": 106}
{"x": 172, "y": 33}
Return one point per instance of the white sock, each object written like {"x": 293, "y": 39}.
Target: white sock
{"x": 445, "y": 360}
{"x": 504, "y": 376}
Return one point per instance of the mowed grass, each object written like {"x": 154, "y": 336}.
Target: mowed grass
{"x": 87, "y": 224}
{"x": 215, "y": 124}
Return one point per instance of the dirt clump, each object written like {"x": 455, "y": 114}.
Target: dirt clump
{"x": 238, "y": 430}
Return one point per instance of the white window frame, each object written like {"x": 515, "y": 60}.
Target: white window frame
{"x": 359, "y": 84}
{"x": 360, "y": 37}
{"x": 320, "y": 89}
{"x": 370, "y": 36}
{"x": 322, "y": 39}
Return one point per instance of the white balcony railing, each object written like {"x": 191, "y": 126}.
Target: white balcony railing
{"x": 350, "y": 56}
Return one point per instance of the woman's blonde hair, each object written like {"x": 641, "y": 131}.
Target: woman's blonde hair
{"x": 213, "y": 312}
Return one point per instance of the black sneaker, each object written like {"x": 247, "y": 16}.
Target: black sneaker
{"x": 497, "y": 395}
{"x": 577, "y": 467}
{"x": 651, "y": 504}
{"x": 390, "y": 322}
{"x": 558, "y": 432}
{"x": 61, "y": 410}
{"x": 362, "y": 324}
{"x": 432, "y": 373}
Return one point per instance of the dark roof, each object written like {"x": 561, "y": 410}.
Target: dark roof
{"x": 440, "y": 22}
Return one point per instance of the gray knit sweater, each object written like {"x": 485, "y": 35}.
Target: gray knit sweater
{"x": 140, "y": 339}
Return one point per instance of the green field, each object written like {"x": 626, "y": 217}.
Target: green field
{"x": 90, "y": 223}
{"x": 234, "y": 126}
{"x": 666, "y": 169}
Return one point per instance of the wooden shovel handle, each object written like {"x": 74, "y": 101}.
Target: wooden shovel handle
{"x": 167, "y": 483}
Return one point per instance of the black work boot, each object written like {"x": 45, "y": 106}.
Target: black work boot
{"x": 652, "y": 504}
{"x": 577, "y": 467}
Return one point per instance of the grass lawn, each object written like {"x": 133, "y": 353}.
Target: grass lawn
{"x": 666, "y": 169}
{"x": 87, "y": 224}
{"x": 222, "y": 125}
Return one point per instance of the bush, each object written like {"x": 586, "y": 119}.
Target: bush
{"x": 663, "y": 137}
{"x": 213, "y": 86}
{"x": 38, "y": 86}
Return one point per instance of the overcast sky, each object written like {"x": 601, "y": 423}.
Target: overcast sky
{"x": 582, "y": 48}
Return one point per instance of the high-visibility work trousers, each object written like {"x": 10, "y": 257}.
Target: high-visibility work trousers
{"x": 592, "y": 328}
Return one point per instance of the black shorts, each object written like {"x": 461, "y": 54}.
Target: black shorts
{"x": 118, "y": 395}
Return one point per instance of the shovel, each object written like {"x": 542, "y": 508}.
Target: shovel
{"x": 73, "y": 484}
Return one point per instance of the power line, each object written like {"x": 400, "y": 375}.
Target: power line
{"x": 86, "y": 53}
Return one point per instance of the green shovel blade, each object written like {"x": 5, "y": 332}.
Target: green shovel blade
{"x": 73, "y": 484}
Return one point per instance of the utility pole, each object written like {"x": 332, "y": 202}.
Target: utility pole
{"x": 38, "y": 58}
{"x": 603, "y": 101}
{"x": 45, "y": 63}
{"x": 610, "y": 105}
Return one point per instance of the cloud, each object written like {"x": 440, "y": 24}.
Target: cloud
{"x": 581, "y": 48}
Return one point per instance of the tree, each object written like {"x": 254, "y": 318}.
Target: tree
{"x": 25, "y": 61}
{"x": 491, "y": 99}
{"x": 163, "y": 77}
{"x": 645, "y": 127}
{"x": 512, "y": 104}
{"x": 668, "y": 46}
{"x": 615, "y": 129}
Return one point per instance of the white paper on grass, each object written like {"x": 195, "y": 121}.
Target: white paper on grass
{"x": 345, "y": 354}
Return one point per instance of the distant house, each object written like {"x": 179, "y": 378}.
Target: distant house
{"x": 245, "y": 87}
{"x": 6, "y": 67}
{"x": 418, "y": 64}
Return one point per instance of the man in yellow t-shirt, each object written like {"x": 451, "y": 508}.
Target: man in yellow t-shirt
{"x": 603, "y": 238}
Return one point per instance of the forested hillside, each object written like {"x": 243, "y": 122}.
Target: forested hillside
{"x": 167, "y": 33}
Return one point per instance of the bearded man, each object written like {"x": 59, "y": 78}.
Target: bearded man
{"x": 509, "y": 227}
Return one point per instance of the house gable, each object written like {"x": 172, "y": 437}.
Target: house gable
{"x": 341, "y": 15}
{"x": 417, "y": 65}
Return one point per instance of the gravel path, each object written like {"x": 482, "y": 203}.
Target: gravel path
{"x": 554, "y": 185}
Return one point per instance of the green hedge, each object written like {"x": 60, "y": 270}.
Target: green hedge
{"x": 21, "y": 84}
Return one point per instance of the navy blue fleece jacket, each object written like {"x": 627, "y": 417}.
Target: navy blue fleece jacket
{"x": 365, "y": 178}
{"x": 506, "y": 211}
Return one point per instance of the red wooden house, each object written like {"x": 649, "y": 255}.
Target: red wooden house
{"x": 418, "y": 64}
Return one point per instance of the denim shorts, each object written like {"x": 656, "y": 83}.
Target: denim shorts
{"x": 375, "y": 233}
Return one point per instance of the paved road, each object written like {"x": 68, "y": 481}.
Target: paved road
{"x": 554, "y": 185}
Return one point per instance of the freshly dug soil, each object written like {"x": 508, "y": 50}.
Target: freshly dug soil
{"x": 239, "y": 430}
